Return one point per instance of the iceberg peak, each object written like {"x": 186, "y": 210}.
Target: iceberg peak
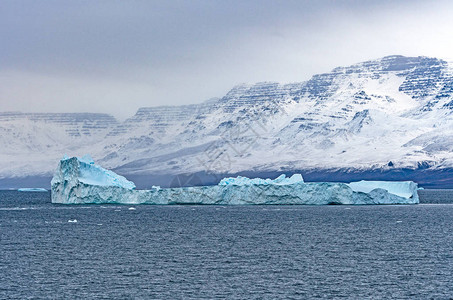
{"x": 83, "y": 170}
{"x": 86, "y": 159}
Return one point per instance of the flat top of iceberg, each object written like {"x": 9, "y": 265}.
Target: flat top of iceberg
{"x": 32, "y": 190}
{"x": 280, "y": 180}
{"x": 90, "y": 173}
{"x": 403, "y": 189}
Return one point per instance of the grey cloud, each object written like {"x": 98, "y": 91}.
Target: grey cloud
{"x": 144, "y": 53}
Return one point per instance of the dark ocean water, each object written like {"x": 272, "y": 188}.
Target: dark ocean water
{"x": 236, "y": 252}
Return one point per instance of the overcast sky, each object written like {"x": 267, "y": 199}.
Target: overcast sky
{"x": 115, "y": 56}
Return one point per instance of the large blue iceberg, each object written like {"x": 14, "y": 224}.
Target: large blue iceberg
{"x": 79, "y": 180}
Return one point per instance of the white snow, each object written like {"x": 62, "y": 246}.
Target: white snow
{"x": 310, "y": 132}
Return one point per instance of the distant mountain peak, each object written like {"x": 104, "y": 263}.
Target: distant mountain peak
{"x": 357, "y": 117}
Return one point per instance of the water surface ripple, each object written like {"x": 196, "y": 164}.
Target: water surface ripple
{"x": 235, "y": 252}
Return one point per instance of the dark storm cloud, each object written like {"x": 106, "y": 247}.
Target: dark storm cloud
{"x": 105, "y": 55}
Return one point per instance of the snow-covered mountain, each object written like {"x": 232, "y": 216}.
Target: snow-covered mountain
{"x": 394, "y": 113}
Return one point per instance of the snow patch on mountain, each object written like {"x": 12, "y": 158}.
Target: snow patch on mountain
{"x": 393, "y": 112}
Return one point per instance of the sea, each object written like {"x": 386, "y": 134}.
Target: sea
{"x": 50, "y": 251}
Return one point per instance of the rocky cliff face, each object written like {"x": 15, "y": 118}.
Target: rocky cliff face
{"x": 385, "y": 114}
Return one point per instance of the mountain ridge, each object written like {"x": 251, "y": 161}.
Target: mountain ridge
{"x": 393, "y": 113}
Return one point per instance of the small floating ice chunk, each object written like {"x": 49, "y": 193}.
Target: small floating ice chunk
{"x": 72, "y": 221}
{"x": 131, "y": 208}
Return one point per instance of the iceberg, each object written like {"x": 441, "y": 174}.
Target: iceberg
{"x": 280, "y": 180}
{"x": 76, "y": 174}
{"x": 400, "y": 188}
{"x": 32, "y": 190}
{"x": 80, "y": 181}
{"x": 85, "y": 171}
